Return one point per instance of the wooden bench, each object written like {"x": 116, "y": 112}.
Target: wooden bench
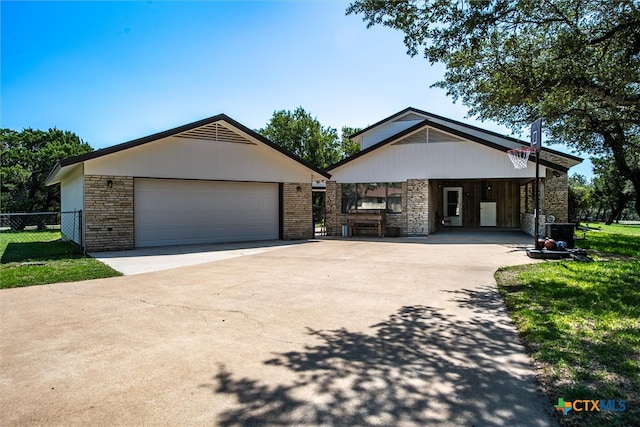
{"x": 367, "y": 219}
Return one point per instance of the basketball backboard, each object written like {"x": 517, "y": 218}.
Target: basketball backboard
{"x": 536, "y": 135}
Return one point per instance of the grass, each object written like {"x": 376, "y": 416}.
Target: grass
{"x": 40, "y": 257}
{"x": 612, "y": 239}
{"x": 631, "y": 229}
{"x": 581, "y": 324}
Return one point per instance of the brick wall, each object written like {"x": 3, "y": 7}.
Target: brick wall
{"x": 108, "y": 213}
{"x": 526, "y": 223}
{"x": 417, "y": 207}
{"x": 554, "y": 158}
{"x": 526, "y": 198}
{"x": 556, "y": 192}
{"x": 297, "y": 211}
{"x": 554, "y": 199}
{"x": 333, "y": 209}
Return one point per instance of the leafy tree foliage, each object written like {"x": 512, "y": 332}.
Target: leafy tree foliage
{"x": 348, "y": 147}
{"x": 27, "y": 158}
{"x": 575, "y": 63}
{"x": 608, "y": 197}
{"x": 611, "y": 191}
{"x": 580, "y": 197}
{"x": 303, "y": 135}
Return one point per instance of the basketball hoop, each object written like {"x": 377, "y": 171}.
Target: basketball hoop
{"x": 520, "y": 156}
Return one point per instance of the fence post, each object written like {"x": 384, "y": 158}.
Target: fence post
{"x": 81, "y": 237}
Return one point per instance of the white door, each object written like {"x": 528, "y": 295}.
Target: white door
{"x": 453, "y": 205}
{"x": 488, "y": 214}
{"x": 178, "y": 212}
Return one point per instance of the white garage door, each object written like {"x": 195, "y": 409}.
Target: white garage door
{"x": 177, "y": 212}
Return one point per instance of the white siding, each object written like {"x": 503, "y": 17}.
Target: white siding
{"x": 479, "y": 133}
{"x": 200, "y": 159}
{"x": 442, "y": 160}
{"x": 72, "y": 199}
{"x": 384, "y": 131}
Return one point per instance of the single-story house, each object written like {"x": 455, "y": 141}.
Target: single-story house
{"x": 426, "y": 171}
{"x": 214, "y": 180}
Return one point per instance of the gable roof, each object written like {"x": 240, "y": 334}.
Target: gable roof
{"x": 200, "y": 129}
{"x": 473, "y": 133}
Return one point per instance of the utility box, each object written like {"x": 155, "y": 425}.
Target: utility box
{"x": 561, "y": 231}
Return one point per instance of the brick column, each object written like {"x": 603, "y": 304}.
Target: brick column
{"x": 556, "y": 196}
{"x": 297, "y": 211}
{"x": 332, "y": 208}
{"x": 417, "y": 207}
{"x": 108, "y": 213}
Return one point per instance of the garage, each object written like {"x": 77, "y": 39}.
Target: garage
{"x": 210, "y": 181}
{"x": 179, "y": 212}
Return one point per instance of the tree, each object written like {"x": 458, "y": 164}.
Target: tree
{"x": 612, "y": 191}
{"x": 348, "y": 147}
{"x": 26, "y": 160}
{"x": 304, "y": 136}
{"x": 579, "y": 197}
{"x": 574, "y": 63}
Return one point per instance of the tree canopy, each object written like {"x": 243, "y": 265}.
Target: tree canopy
{"x": 26, "y": 160}
{"x": 610, "y": 190}
{"x": 574, "y": 63}
{"x": 348, "y": 147}
{"x": 302, "y": 134}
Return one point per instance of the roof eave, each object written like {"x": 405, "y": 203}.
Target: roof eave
{"x": 391, "y": 117}
{"x": 455, "y": 132}
{"x": 276, "y": 147}
{"x": 52, "y": 177}
{"x": 171, "y": 132}
{"x": 577, "y": 159}
{"x": 382, "y": 143}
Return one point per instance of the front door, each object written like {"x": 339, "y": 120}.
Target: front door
{"x": 453, "y": 206}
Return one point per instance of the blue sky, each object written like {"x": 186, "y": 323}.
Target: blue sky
{"x": 116, "y": 71}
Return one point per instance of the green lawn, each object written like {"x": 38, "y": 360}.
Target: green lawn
{"x": 581, "y": 324}
{"x": 631, "y": 229}
{"x": 612, "y": 239}
{"x": 40, "y": 257}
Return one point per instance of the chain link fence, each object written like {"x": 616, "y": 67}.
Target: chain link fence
{"x": 69, "y": 224}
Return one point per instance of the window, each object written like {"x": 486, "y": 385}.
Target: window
{"x": 348, "y": 197}
{"x": 394, "y": 197}
{"x": 373, "y": 195}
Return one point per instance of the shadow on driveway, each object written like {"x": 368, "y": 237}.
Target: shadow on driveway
{"x": 418, "y": 367}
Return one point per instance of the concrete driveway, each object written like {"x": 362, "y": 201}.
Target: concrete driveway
{"x": 146, "y": 260}
{"x": 333, "y": 332}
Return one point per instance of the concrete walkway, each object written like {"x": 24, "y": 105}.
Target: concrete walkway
{"x": 333, "y": 332}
